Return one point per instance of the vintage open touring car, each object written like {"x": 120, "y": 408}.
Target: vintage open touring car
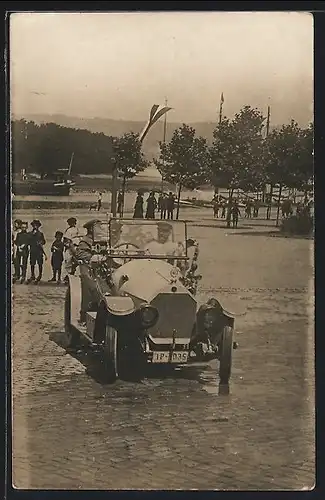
{"x": 145, "y": 310}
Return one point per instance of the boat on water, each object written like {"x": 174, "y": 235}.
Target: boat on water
{"x": 57, "y": 184}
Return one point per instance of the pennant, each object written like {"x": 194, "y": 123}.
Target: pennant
{"x": 156, "y": 112}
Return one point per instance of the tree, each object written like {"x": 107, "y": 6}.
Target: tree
{"x": 44, "y": 148}
{"x": 128, "y": 157}
{"x": 236, "y": 153}
{"x": 289, "y": 158}
{"x": 305, "y": 169}
{"x": 183, "y": 161}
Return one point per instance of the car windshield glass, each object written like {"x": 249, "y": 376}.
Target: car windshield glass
{"x": 156, "y": 238}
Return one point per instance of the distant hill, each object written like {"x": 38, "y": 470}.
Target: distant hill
{"x": 119, "y": 127}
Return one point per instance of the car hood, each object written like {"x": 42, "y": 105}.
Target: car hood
{"x": 144, "y": 279}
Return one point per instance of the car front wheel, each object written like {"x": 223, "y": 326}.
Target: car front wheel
{"x": 111, "y": 354}
{"x": 225, "y": 358}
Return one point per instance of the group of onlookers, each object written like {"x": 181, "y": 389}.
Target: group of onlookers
{"x": 28, "y": 246}
{"x": 252, "y": 208}
{"x": 303, "y": 207}
{"x": 163, "y": 207}
{"x": 228, "y": 210}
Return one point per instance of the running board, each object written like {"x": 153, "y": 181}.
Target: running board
{"x": 88, "y": 328}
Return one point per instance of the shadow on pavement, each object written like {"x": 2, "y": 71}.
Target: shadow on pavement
{"x": 217, "y": 225}
{"x": 85, "y": 355}
{"x": 206, "y": 374}
{"x": 274, "y": 234}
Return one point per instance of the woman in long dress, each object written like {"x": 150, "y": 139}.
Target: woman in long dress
{"x": 151, "y": 206}
{"x": 138, "y": 207}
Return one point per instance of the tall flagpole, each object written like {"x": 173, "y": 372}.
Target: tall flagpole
{"x": 216, "y": 190}
{"x": 221, "y": 106}
{"x": 269, "y": 207}
{"x": 70, "y": 164}
{"x": 268, "y": 121}
{"x": 164, "y": 142}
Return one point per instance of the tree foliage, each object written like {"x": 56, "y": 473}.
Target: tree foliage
{"x": 290, "y": 156}
{"x": 44, "y": 148}
{"x": 128, "y": 156}
{"x": 237, "y": 151}
{"x": 183, "y": 161}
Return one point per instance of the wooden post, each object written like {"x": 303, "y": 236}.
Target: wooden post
{"x": 114, "y": 191}
{"x": 269, "y": 207}
{"x": 279, "y": 204}
{"x": 123, "y": 192}
{"x": 178, "y": 199}
{"x": 230, "y": 195}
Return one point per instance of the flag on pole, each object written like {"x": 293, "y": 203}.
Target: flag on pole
{"x": 156, "y": 112}
{"x": 220, "y": 108}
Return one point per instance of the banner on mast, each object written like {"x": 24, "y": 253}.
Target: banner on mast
{"x": 156, "y": 112}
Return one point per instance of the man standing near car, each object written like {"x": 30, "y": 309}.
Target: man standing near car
{"x": 70, "y": 238}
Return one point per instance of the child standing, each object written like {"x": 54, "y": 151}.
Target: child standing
{"x": 57, "y": 257}
{"x": 37, "y": 253}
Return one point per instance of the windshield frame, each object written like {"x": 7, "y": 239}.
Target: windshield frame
{"x": 111, "y": 252}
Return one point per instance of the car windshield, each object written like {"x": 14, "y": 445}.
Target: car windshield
{"x": 148, "y": 237}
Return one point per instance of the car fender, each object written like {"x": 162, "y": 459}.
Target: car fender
{"x": 228, "y": 306}
{"x": 119, "y": 306}
{"x": 232, "y": 307}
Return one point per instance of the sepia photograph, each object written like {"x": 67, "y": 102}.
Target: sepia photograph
{"x": 162, "y": 250}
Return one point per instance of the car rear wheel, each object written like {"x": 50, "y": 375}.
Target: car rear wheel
{"x": 225, "y": 358}
{"x": 71, "y": 337}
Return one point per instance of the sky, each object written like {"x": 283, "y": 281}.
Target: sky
{"x": 117, "y": 65}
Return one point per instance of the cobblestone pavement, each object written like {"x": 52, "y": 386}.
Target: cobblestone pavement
{"x": 173, "y": 431}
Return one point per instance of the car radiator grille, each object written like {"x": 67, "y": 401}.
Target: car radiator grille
{"x": 176, "y": 312}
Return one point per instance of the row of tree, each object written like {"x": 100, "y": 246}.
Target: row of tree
{"x": 240, "y": 156}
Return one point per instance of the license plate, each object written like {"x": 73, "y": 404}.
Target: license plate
{"x": 164, "y": 357}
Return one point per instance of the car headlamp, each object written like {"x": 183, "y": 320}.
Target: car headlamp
{"x": 148, "y": 315}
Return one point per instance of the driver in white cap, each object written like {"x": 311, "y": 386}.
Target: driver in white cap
{"x": 163, "y": 245}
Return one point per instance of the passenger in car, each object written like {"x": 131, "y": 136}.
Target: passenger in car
{"x": 83, "y": 253}
{"x": 90, "y": 291}
{"x": 163, "y": 245}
